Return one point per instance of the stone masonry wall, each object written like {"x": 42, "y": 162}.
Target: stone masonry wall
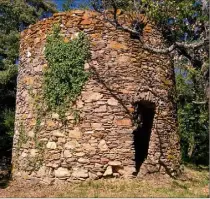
{"x": 101, "y": 144}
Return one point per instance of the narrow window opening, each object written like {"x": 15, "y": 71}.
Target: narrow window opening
{"x": 143, "y": 118}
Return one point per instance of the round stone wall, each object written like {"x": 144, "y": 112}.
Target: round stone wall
{"x": 126, "y": 82}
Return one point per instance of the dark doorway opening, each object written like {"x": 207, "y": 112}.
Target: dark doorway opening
{"x": 143, "y": 118}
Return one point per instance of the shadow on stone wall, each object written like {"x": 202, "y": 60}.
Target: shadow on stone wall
{"x": 113, "y": 93}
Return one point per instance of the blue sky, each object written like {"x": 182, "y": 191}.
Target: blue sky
{"x": 60, "y": 2}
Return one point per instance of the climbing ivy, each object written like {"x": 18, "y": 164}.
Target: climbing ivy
{"x": 65, "y": 77}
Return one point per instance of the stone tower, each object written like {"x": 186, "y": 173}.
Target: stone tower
{"x": 128, "y": 124}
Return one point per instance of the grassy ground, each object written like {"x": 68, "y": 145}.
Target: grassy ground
{"x": 193, "y": 183}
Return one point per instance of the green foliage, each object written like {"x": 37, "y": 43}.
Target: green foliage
{"x": 64, "y": 79}
{"x": 7, "y": 124}
{"x": 177, "y": 18}
{"x": 193, "y": 116}
{"x": 8, "y": 121}
{"x": 15, "y": 16}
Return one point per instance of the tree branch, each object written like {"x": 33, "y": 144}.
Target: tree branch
{"x": 115, "y": 12}
{"x": 192, "y": 45}
{"x": 171, "y": 48}
{"x": 199, "y": 103}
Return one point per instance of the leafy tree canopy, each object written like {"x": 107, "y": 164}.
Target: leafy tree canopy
{"x": 184, "y": 23}
{"x": 15, "y": 16}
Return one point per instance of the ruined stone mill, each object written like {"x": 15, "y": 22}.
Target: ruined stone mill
{"x": 128, "y": 121}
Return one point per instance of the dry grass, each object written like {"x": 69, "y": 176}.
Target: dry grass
{"x": 194, "y": 183}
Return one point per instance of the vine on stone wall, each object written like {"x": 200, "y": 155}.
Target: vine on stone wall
{"x": 65, "y": 77}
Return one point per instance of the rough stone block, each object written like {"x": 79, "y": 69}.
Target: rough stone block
{"x": 94, "y": 96}
{"x": 123, "y": 122}
{"x": 57, "y": 133}
{"x": 80, "y": 173}
{"x": 117, "y": 46}
{"x": 108, "y": 171}
{"x": 76, "y": 133}
{"x": 31, "y": 134}
{"x": 112, "y": 102}
{"x": 101, "y": 109}
{"x": 34, "y": 152}
{"x": 51, "y": 145}
{"x": 62, "y": 172}
{"x": 83, "y": 160}
{"x": 55, "y": 116}
{"x": 72, "y": 144}
{"x": 115, "y": 163}
{"x": 102, "y": 145}
{"x": 80, "y": 154}
{"x": 67, "y": 154}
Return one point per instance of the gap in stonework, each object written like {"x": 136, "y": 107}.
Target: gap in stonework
{"x": 143, "y": 118}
